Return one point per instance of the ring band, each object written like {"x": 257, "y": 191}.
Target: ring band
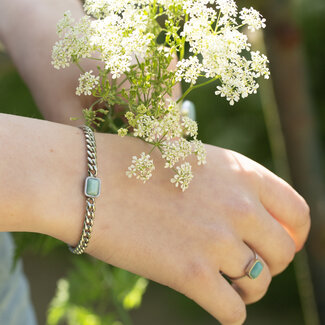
{"x": 253, "y": 269}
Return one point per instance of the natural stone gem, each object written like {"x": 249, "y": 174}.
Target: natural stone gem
{"x": 92, "y": 186}
{"x": 256, "y": 269}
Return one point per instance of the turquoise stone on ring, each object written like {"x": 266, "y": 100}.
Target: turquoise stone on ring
{"x": 92, "y": 186}
{"x": 255, "y": 269}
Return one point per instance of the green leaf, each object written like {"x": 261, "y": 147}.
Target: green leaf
{"x": 59, "y": 305}
{"x": 133, "y": 298}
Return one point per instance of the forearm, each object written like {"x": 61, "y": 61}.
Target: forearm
{"x": 40, "y": 162}
{"x": 28, "y": 30}
{"x": 42, "y": 172}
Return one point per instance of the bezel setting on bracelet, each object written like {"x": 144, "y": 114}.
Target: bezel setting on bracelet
{"x": 92, "y": 186}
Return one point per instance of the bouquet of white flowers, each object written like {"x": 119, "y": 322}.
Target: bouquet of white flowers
{"x": 135, "y": 41}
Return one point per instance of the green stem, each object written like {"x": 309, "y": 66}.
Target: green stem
{"x": 139, "y": 64}
{"x": 109, "y": 124}
{"x": 157, "y": 144}
{"x": 183, "y": 42}
{"x": 112, "y": 125}
{"x": 126, "y": 320}
{"x": 142, "y": 70}
{"x": 80, "y": 67}
{"x": 122, "y": 98}
{"x": 197, "y": 86}
{"x": 92, "y": 58}
{"x": 216, "y": 27}
{"x": 94, "y": 103}
{"x": 152, "y": 149}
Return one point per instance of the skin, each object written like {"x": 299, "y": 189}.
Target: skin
{"x": 182, "y": 240}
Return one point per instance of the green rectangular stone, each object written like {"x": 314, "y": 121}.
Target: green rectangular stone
{"x": 92, "y": 187}
{"x": 256, "y": 269}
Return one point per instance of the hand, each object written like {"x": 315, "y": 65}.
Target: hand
{"x": 180, "y": 239}
{"x": 183, "y": 240}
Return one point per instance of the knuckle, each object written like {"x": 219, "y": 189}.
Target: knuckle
{"x": 303, "y": 216}
{"x": 243, "y": 208}
{"x": 236, "y": 315}
{"x": 194, "y": 273}
{"x": 226, "y": 241}
{"x": 306, "y": 209}
{"x": 289, "y": 253}
{"x": 225, "y": 237}
{"x": 285, "y": 258}
{"x": 307, "y": 219}
{"x": 285, "y": 255}
{"x": 245, "y": 212}
{"x": 214, "y": 234}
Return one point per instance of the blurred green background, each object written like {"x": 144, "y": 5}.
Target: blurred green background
{"x": 295, "y": 42}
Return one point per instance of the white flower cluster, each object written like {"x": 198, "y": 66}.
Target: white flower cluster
{"x": 120, "y": 30}
{"x": 123, "y": 35}
{"x": 118, "y": 36}
{"x": 221, "y": 47}
{"x": 75, "y": 43}
{"x": 252, "y": 18}
{"x": 87, "y": 82}
{"x": 171, "y": 126}
{"x": 141, "y": 167}
{"x": 177, "y": 150}
{"x": 189, "y": 70}
{"x": 183, "y": 176}
{"x": 166, "y": 134}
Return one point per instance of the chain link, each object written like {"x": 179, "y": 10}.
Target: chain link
{"x": 90, "y": 201}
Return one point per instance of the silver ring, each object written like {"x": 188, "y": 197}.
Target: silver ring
{"x": 253, "y": 269}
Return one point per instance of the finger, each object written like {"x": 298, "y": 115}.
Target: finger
{"x": 269, "y": 239}
{"x": 213, "y": 293}
{"x": 285, "y": 205}
{"x": 235, "y": 266}
{"x": 252, "y": 290}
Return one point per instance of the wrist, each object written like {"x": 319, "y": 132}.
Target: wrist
{"x": 43, "y": 167}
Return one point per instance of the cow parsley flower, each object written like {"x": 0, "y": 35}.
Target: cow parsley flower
{"x": 227, "y": 7}
{"x": 135, "y": 80}
{"x": 199, "y": 150}
{"x": 141, "y": 167}
{"x": 252, "y": 18}
{"x": 87, "y": 82}
{"x": 189, "y": 70}
{"x": 75, "y": 43}
{"x": 122, "y": 132}
{"x": 189, "y": 126}
{"x": 169, "y": 126}
{"x": 259, "y": 65}
{"x": 183, "y": 176}
{"x": 174, "y": 151}
{"x": 146, "y": 127}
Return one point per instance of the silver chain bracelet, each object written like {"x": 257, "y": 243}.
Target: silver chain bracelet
{"x": 91, "y": 190}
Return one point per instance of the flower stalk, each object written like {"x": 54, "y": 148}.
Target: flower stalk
{"x": 136, "y": 54}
